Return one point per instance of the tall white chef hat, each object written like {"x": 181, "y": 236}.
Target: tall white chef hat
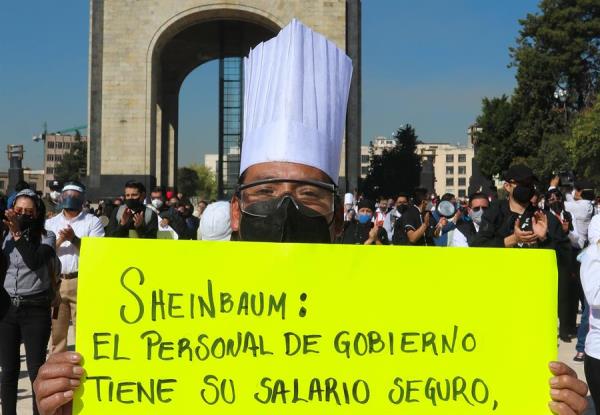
{"x": 295, "y": 99}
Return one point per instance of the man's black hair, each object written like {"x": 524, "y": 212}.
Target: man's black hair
{"x": 477, "y": 195}
{"x": 21, "y": 185}
{"x": 157, "y": 189}
{"x": 448, "y": 197}
{"x": 133, "y": 184}
{"x": 420, "y": 194}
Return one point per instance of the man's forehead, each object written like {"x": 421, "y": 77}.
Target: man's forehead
{"x": 284, "y": 170}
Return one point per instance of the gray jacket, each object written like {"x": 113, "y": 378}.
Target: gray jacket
{"x": 20, "y": 279}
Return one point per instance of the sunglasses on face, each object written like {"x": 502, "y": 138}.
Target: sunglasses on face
{"x": 478, "y": 208}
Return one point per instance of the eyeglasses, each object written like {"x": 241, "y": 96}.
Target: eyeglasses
{"x": 478, "y": 208}
{"x": 23, "y": 211}
{"x": 318, "y": 196}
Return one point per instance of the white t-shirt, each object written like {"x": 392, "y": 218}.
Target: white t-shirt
{"x": 590, "y": 279}
{"x": 84, "y": 225}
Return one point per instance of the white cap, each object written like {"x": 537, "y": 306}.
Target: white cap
{"x": 348, "y": 199}
{"x": 594, "y": 230}
{"x": 296, "y": 88}
{"x": 215, "y": 223}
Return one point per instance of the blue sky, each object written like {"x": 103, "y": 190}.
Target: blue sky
{"x": 428, "y": 63}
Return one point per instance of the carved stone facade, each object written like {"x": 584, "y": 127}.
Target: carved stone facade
{"x": 142, "y": 50}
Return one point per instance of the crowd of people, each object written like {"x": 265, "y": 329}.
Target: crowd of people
{"x": 287, "y": 192}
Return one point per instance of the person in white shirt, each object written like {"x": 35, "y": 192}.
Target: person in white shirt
{"x": 70, "y": 226}
{"x": 469, "y": 226}
{"x": 590, "y": 279}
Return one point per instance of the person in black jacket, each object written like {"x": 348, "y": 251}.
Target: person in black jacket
{"x": 30, "y": 282}
{"x": 563, "y": 235}
{"x": 134, "y": 219}
{"x": 363, "y": 231}
{"x": 514, "y": 223}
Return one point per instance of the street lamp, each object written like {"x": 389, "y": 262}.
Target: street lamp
{"x": 561, "y": 95}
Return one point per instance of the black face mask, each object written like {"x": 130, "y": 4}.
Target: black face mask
{"x": 402, "y": 208}
{"x": 135, "y": 205}
{"x": 522, "y": 194}
{"x": 287, "y": 223}
{"x": 556, "y": 206}
{"x": 25, "y": 222}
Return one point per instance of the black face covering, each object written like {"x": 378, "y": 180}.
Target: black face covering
{"x": 556, "y": 206}
{"x": 135, "y": 205}
{"x": 25, "y": 222}
{"x": 522, "y": 194}
{"x": 402, "y": 208}
{"x": 287, "y": 223}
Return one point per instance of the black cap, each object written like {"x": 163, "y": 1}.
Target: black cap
{"x": 520, "y": 173}
{"x": 584, "y": 185}
{"x": 55, "y": 185}
{"x": 366, "y": 203}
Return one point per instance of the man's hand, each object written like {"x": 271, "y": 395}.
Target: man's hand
{"x": 138, "y": 219}
{"x": 127, "y": 214}
{"x": 373, "y": 235}
{"x": 568, "y": 393}
{"x": 66, "y": 234}
{"x": 540, "y": 225}
{"x": 555, "y": 181}
{"x": 56, "y": 382}
{"x": 565, "y": 224}
{"x": 426, "y": 219}
{"x": 524, "y": 237}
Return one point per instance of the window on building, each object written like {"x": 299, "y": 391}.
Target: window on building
{"x": 462, "y": 193}
{"x": 50, "y": 157}
{"x": 49, "y": 170}
{"x": 50, "y": 144}
{"x": 462, "y": 181}
{"x": 67, "y": 145}
{"x": 364, "y": 158}
{"x": 449, "y": 170}
{"x": 58, "y": 157}
{"x": 59, "y": 144}
{"x": 449, "y": 181}
{"x": 462, "y": 158}
{"x": 462, "y": 169}
{"x": 449, "y": 158}
{"x": 364, "y": 171}
{"x": 1, "y": 184}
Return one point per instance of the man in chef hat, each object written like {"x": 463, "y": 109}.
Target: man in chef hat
{"x": 295, "y": 98}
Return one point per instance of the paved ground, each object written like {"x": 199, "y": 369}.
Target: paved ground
{"x": 566, "y": 351}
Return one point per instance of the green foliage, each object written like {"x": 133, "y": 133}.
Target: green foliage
{"x": 395, "y": 170}
{"x": 496, "y": 142}
{"x": 558, "y": 49}
{"x": 584, "y": 144}
{"x": 73, "y": 165}
{"x": 207, "y": 182}
{"x": 188, "y": 181}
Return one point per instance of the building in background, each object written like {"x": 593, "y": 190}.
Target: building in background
{"x": 55, "y": 148}
{"x": 448, "y": 167}
{"x": 35, "y": 178}
{"x": 452, "y": 166}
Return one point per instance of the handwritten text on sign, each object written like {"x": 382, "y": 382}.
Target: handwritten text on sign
{"x": 232, "y": 328}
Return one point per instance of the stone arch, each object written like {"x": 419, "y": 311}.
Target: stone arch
{"x": 169, "y": 63}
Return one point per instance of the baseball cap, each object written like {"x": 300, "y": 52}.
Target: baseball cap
{"x": 520, "y": 173}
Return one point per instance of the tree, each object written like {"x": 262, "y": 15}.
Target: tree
{"x": 396, "y": 170}
{"x": 74, "y": 163}
{"x": 558, "y": 49}
{"x": 188, "y": 181}
{"x": 496, "y": 142}
{"x": 208, "y": 182}
{"x": 584, "y": 144}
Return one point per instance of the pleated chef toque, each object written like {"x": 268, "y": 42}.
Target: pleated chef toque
{"x": 295, "y": 99}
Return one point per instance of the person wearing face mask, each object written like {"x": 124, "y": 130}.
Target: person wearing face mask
{"x": 52, "y": 199}
{"x": 70, "y": 226}
{"x": 468, "y": 226}
{"x": 564, "y": 236}
{"x": 363, "y": 231}
{"x": 133, "y": 219}
{"x": 29, "y": 251}
{"x": 415, "y": 226}
{"x": 290, "y": 162}
{"x": 401, "y": 204}
{"x": 514, "y": 223}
